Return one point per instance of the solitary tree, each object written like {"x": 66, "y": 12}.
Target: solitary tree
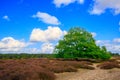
{"x": 78, "y": 43}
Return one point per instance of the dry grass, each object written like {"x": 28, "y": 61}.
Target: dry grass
{"x": 38, "y": 69}
{"x": 113, "y": 63}
{"x": 80, "y": 64}
{"x": 68, "y": 66}
{"x": 44, "y": 69}
{"x": 24, "y": 70}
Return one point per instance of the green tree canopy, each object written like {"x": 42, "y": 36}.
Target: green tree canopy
{"x": 78, "y": 43}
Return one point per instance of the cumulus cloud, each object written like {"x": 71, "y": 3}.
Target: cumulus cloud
{"x": 47, "y": 48}
{"x": 93, "y": 34}
{"x": 115, "y": 48}
{"x": 80, "y": 1}
{"x": 9, "y": 44}
{"x": 59, "y": 3}
{"x": 117, "y": 40}
{"x": 100, "y": 6}
{"x": 6, "y": 17}
{"x": 32, "y": 50}
{"x": 46, "y": 18}
{"x": 112, "y": 46}
{"x": 50, "y": 34}
{"x": 102, "y": 42}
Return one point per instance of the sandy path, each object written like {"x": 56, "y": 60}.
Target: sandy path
{"x": 97, "y": 74}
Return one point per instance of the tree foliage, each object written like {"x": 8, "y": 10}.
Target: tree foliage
{"x": 78, "y": 43}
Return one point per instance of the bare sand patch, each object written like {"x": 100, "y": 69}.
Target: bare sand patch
{"x": 97, "y": 74}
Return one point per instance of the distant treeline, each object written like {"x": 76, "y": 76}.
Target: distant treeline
{"x": 25, "y": 56}
{"x": 115, "y": 54}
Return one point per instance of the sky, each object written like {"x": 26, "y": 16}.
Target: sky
{"x": 36, "y": 26}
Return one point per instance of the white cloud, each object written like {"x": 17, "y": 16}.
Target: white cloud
{"x": 93, "y": 34}
{"x": 33, "y": 50}
{"x": 59, "y": 3}
{"x": 100, "y": 6}
{"x": 102, "y": 42}
{"x": 50, "y": 34}
{"x": 6, "y": 17}
{"x": 47, "y": 18}
{"x": 47, "y": 48}
{"x": 115, "y": 48}
{"x": 112, "y": 46}
{"x": 117, "y": 40}
{"x": 80, "y": 1}
{"x": 9, "y": 44}
{"x": 98, "y": 42}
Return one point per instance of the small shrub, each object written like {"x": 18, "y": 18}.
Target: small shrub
{"x": 76, "y": 64}
{"x": 89, "y": 60}
{"x": 87, "y": 67}
{"x": 16, "y": 70}
{"x": 61, "y": 69}
{"x": 70, "y": 69}
{"x": 109, "y": 65}
{"x": 114, "y": 60}
{"x": 60, "y": 66}
{"x": 38, "y": 69}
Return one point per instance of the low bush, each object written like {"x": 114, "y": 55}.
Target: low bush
{"x": 15, "y": 70}
{"x": 38, "y": 69}
{"x": 109, "y": 65}
{"x": 77, "y": 64}
{"x": 61, "y": 69}
{"x": 89, "y": 60}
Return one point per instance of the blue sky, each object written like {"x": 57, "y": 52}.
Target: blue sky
{"x": 35, "y": 26}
